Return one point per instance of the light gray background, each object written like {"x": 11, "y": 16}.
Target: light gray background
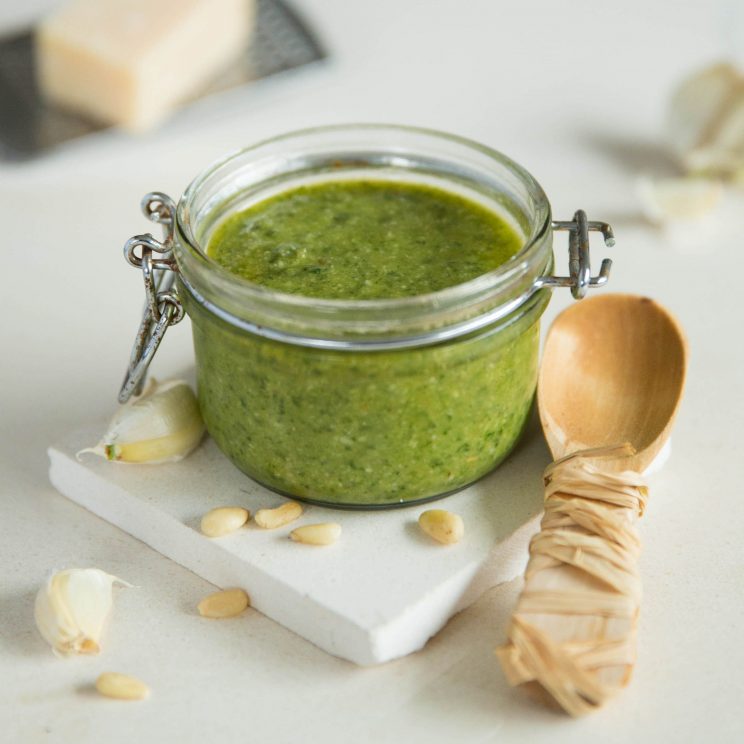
{"x": 576, "y": 93}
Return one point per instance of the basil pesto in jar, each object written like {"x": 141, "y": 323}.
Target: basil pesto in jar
{"x": 365, "y": 427}
{"x": 363, "y": 240}
{"x": 365, "y": 304}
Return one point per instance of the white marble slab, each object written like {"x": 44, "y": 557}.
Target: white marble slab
{"x": 380, "y": 593}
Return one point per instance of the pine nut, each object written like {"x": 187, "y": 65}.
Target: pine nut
{"x": 229, "y": 603}
{"x": 317, "y": 534}
{"x": 121, "y": 687}
{"x": 270, "y": 519}
{"x": 445, "y": 527}
{"x": 224, "y": 520}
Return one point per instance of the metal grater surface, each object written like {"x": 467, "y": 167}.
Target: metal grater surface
{"x": 28, "y": 126}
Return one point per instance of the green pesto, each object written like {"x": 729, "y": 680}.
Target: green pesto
{"x": 365, "y": 428}
{"x": 363, "y": 240}
{"x": 355, "y": 428}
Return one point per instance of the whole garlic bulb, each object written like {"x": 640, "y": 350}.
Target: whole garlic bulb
{"x": 71, "y": 609}
{"x": 161, "y": 425}
{"x": 705, "y": 123}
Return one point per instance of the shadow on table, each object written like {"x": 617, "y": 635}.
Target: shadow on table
{"x": 18, "y": 633}
{"x": 631, "y": 154}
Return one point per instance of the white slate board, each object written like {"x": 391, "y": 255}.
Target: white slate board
{"x": 379, "y": 593}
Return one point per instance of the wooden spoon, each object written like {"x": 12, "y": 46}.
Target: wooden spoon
{"x": 612, "y": 372}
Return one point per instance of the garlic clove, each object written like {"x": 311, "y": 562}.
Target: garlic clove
{"x": 705, "y": 122}
{"x": 672, "y": 199}
{"x": 163, "y": 424}
{"x": 71, "y": 609}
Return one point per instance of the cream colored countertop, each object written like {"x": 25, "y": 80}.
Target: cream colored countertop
{"x": 575, "y": 93}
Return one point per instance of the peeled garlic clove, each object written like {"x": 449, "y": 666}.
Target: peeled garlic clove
{"x": 672, "y": 199}
{"x": 161, "y": 425}
{"x": 72, "y": 607}
{"x": 705, "y": 123}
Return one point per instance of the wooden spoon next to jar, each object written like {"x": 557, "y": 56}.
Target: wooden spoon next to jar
{"x": 610, "y": 384}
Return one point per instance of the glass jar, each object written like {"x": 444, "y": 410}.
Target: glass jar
{"x": 359, "y": 403}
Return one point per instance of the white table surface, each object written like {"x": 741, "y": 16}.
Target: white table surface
{"x": 575, "y": 92}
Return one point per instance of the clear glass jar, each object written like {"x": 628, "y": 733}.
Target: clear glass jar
{"x": 368, "y": 403}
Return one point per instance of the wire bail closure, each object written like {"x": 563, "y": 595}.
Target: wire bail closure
{"x": 162, "y": 306}
{"x": 579, "y": 264}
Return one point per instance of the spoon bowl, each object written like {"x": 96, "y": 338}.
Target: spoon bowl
{"x": 613, "y": 371}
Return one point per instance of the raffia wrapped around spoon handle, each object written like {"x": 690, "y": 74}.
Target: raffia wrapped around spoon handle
{"x": 574, "y": 627}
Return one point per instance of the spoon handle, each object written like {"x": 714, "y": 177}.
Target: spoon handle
{"x": 574, "y": 627}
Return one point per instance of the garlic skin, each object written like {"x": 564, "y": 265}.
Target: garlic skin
{"x": 161, "y": 425}
{"x": 71, "y": 609}
{"x": 705, "y": 123}
{"x": 665, "y": 200}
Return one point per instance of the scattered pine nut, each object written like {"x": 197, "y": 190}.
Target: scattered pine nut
{"x": 229, "y": 603}
{"x": 445, "y": 527}
{"x": 121, "y": 686}
{"x": 270, "y": 519}
{"x": 224, "y": 520}
{"x": 317, "y": 534}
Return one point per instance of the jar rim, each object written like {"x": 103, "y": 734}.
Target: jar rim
{"x": 207, "y": 279}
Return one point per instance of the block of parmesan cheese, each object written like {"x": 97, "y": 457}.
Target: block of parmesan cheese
{"x": 129, "y": 62}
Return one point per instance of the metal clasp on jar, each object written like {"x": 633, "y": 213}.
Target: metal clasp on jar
{"x": 162, "y": 306}
{"x": 579, "y": 264}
